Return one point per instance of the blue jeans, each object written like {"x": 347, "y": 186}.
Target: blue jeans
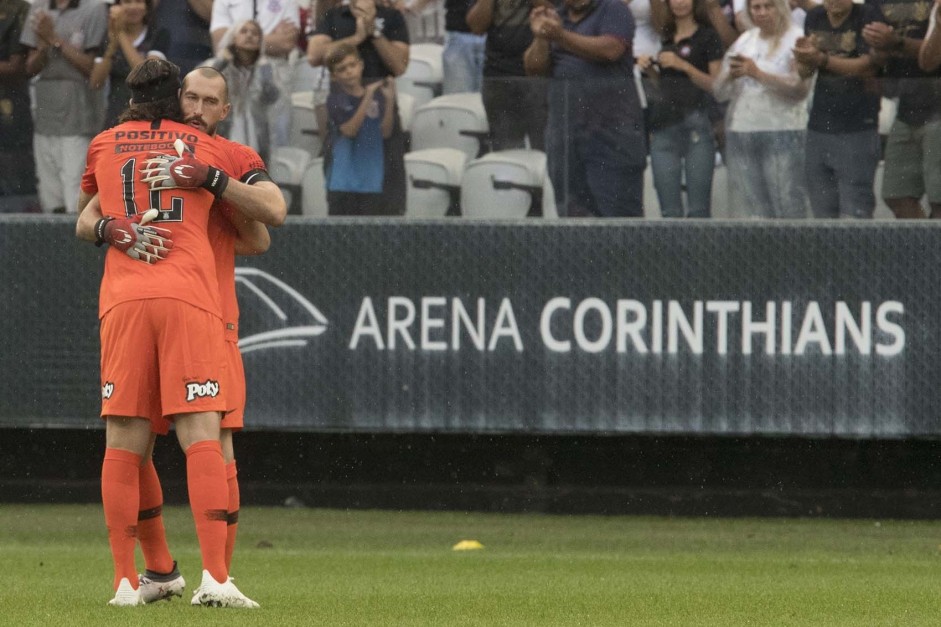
{"x": 463, "y": 61}
{"x": 840, "y": 172}
{"x": 690, "y": 147}
{"x": 766, "y": 173}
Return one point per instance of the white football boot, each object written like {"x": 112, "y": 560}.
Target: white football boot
{"x": 211, "y": 593}
{"x": 126, "y": 595}
{"x": 155, "y": 587}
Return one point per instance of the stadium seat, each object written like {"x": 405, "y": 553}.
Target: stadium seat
{"x": 452, "y": 121}
{"x": 424, "y": 74}
{"x": 287, "y": 168}
{"x": 314, "y": 190}
{"x": 406, "y": 103}
{"x": 304, "y": 128}
{"x": 434, "y": 182}
{"x": 508, "y": 184}
{"x": 307, "y": 77}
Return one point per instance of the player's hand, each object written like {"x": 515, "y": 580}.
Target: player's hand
{"x": 133, "y": 237}
{"x": 184, "y": 170}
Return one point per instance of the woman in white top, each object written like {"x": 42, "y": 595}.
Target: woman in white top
{"x": 252, "y": 84}
{"x": 767, "y": 115}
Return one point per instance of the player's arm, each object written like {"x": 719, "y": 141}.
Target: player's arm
{"x": 89, "y": 212}
{"x": 253, "y": 237}
{"x": 259, "y": 200}
{"x": 148, "y": 244}
{"x": 255, "y": 194}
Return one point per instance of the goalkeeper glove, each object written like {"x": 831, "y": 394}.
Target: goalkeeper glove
{"x": 184, "y": 170}
{"x": 148, "y": 244}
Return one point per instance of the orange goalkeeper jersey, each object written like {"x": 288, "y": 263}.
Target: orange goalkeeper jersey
{"x": 222, "y": 233}
{"x": 115, "y": 158}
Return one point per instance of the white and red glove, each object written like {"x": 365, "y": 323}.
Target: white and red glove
{"x": 184, "y": 170}
{"x": 148, "y": 244}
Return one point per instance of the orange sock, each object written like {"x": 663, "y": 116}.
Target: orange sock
{"x": 205, "y": 479}
{"x": 231, "y": 476}
{"x": 150, "y": 530}
{"x": 120, "y": 496}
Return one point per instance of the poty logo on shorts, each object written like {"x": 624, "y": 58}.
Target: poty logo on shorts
{"x": 107, "y": 390}
{"x": 201, "y": 390}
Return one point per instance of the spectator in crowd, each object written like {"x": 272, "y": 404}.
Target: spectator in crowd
{"x": 463, "y": 57}
{"x": 516, "y": 106}
{"x": 722, "y": 18}
{"x": 17, "y": 169}
{"x": 380, "y": 37}
{"x": 187, "y": 22}
{"x": 767, "y": 115}
{"x": 320, "y": 77}
{"x": 252, "y": 87}
{"x": 280, "y": 24}
{"x": 929, "y": 54}
{"x": 595, "y": 136}
{"x": 360, "y": 118}
{"x": 843, "y": 145}
{"x": 650, "y": 17}
{"x": 63, "y": 38}
{"x": 680, "y": 129}
{"x": 130, "y": 40}
{"x": 913, "y": 148}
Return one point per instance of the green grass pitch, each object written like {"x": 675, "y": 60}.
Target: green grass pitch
{"x": 327, "y": 567}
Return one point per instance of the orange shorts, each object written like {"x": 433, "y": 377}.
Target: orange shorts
{"x": 235, "y": 393}
{"x": 235, "y": 388}
{"x": 161, "y": 357}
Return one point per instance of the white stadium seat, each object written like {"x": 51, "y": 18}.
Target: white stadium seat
{"x": 287, "y": 168}
{"x": 424, "y": 73}
{"x": 406, "y": 103}
{"x": 304, "y": 129}
{"x": 452, "y": 121}
{"x": 433, "y": 179}
{"x": 508, "y": 184}
{"x": 314, "y": 190}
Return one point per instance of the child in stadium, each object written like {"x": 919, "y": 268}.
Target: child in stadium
{"x": 360, "y": 117}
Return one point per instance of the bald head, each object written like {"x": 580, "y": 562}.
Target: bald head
{"x": 204, "y": 99}
{"x": 211, "y": 75}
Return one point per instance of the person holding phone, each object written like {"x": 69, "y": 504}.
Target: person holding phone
{"x": 766, "y": 120}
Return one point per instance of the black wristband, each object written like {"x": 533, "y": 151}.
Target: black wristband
{"x": 100, "y": 231}
{"x": 216, "y": 181}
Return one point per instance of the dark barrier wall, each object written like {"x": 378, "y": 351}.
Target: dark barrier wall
{"x": 716, "y": 328}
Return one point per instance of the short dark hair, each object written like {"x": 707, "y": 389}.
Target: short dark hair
{"x": 339, "y": 53}
{"x": 155, "y": 86}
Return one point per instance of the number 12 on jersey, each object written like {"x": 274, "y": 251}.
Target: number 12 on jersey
{"x": 172, "y": 214}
